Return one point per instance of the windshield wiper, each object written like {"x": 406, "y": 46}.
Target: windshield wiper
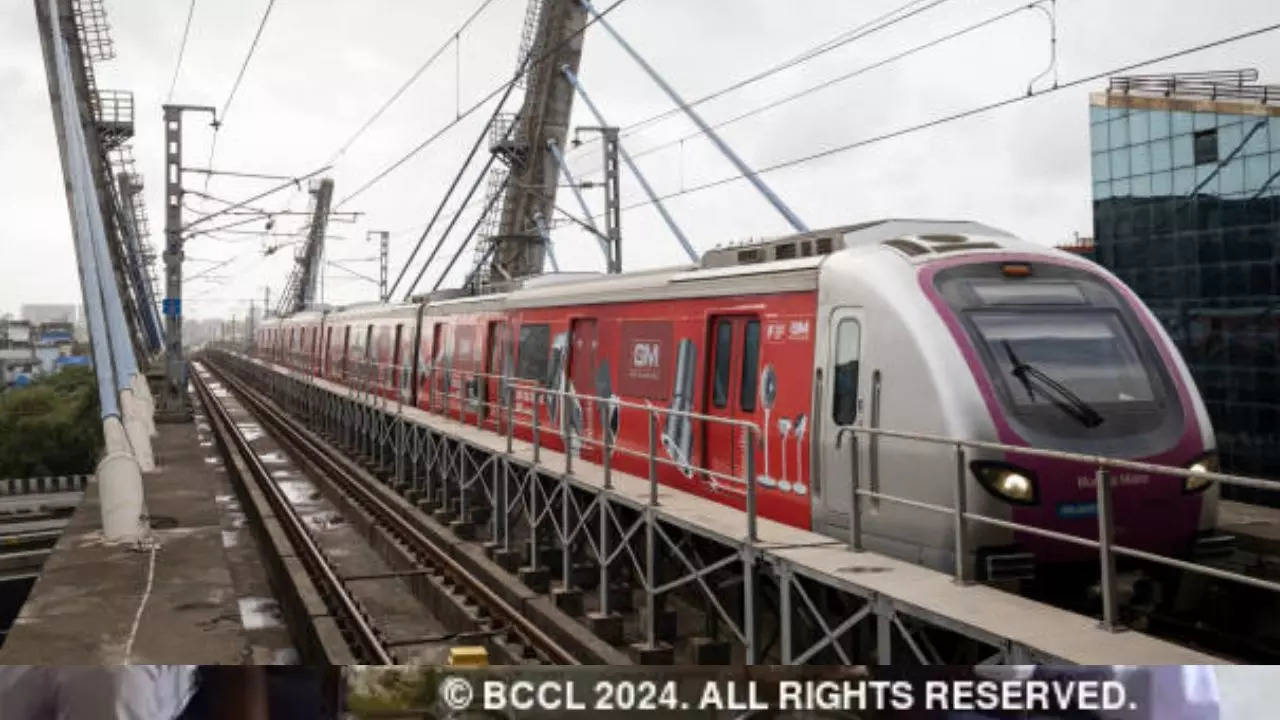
{"x": 1066, "y": 400}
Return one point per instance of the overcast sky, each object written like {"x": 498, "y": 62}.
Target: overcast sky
{"x": 323, "y": 66}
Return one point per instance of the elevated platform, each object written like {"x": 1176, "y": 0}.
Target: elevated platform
{"x": 190, "y": 606}
{"x": 1024, "y": 630}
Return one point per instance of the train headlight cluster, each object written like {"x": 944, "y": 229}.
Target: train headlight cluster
{"x": 1007, "y": 482}
{"x": 1196, "y": 483}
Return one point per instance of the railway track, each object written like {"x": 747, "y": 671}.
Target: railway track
{"x": 490, "y": 618}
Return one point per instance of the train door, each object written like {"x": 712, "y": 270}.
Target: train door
{"x": 497, "y": 363}
{"x": 729, "y": 374}
{"x": 582, "y": 417}
{"x": 346, "y": 353}
{"x": 842, "y": 407}
{"x": 398, "y": 375}
{"x": 441, "y": 367}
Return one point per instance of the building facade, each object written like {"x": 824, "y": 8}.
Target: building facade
{"x": 39, "y": 314}
{"x": 1186, "y": 205}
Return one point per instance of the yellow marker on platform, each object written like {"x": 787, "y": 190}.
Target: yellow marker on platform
{"x": 469, "y": 656}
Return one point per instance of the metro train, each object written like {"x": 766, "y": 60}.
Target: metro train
{"x": 941, "y": 328}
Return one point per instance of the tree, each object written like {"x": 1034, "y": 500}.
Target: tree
{"x": 52, "y": 427}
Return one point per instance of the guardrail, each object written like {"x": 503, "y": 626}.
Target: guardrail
{"x": 376, "y": 380}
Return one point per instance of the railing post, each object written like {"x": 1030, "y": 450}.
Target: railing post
{"x": 566, "y": 433}
{"x": 855, "y": 503}
{"x": 650, "y": 597}
{"x": 603, "y": 510}
{"x": 1106, "y": 535}
{"x": 537, "y": 413}
{"x": 963, "y": 576}
{"x": 606, "y": 444}
{"x": 509, "y": 405}
{"x": 653, "y": 457}
{"x": 751, "y": 486}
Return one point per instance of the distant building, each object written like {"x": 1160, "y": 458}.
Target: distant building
{"x": 39, "y": 314}
{"x": 1186, "y": 209}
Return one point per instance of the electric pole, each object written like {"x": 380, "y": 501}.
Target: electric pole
{"x": 612, "y": 203}
{"x": 174, "y": 403}
{"x": 384, "y": 242}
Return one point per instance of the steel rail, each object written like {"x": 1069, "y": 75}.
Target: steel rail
{"x": 336, "y": 468}
{"x": 364, "y": 634}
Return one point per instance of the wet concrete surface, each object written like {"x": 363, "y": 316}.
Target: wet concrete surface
{"x": 389, "y": 601}
{"x": 82, "y": 609}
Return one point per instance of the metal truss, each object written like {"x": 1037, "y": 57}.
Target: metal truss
{"x": 552, "y": 524}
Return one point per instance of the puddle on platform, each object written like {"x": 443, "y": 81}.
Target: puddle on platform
{"x": 275, "y": 457}
{"x": 213, "y": 460}
{"x": 286, "y": 656}
{"x": 230, "y": 538}
{"x": 279, "y": 474}
{"x": 257, "y": 613}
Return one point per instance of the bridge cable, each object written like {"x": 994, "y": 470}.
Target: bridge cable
{"x": 480, "y": 103}
{"x": 838, "y": 79}
{"x": 413, "y": 78}
{"x": 964, "y": 114}
{"x": 863, "y": 30}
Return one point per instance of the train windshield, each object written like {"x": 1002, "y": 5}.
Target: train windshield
{"x": 1087, "y": 355}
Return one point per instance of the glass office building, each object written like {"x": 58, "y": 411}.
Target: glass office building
{"x": 1186, "y": 207}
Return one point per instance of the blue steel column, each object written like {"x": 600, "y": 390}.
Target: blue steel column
{"x": 626, "y": 157}
{"x": 577, "y": 192}
{"x": 720, "y": 144}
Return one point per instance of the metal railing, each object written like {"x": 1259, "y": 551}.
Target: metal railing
{"x": 372, "y": 380}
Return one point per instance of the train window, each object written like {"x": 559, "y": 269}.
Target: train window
{"x": 844, "y": 385}
{"x": 724, "y": 347}
{"x": 535, "y": 342}
{"x": 750, "y": 366}
{"x": 784, "y": 252}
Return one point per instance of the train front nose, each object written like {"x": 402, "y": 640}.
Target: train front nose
{"x": 1151, "y": 512}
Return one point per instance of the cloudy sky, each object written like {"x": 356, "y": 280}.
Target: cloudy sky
{"x": 323, "y": 66}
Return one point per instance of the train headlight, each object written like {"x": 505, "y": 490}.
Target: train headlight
{"x": 1197, "y": 483}
{"x": 1007, "y": 482}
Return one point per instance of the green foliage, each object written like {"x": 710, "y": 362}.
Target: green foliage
{"x": 405, "y": 688}
{"x": 53, "y": 427}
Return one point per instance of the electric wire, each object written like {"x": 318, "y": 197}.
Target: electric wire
{"x": 413, "y": 78}
{"x": 235, "y": 86}
{"x": 864, "y": 29}
{"x": 244, "y": 66}
{"x": 182, "y": 49}
{"x": 382, "y": 174}
{"x": 971, "y": 112}
{"x": 836, "y": 80}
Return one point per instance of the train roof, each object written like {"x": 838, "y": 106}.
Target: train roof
{"x": 783, "y": 264}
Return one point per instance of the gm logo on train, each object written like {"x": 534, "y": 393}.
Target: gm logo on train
{"x": 646, "y": 355}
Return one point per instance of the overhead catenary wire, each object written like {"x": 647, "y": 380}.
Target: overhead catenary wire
{"x": 244, "y": 66}
{"x": 543, "y": 57}
{"x": 971, "y": 112}
{"x": 869, "y": 27}
{"x": 235, "y": 86}
{"x": 841, "y": 78}
{"x": 475, "y": 147}
{"x": 452, "y": 38}
{"x": 182, "y": 49}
